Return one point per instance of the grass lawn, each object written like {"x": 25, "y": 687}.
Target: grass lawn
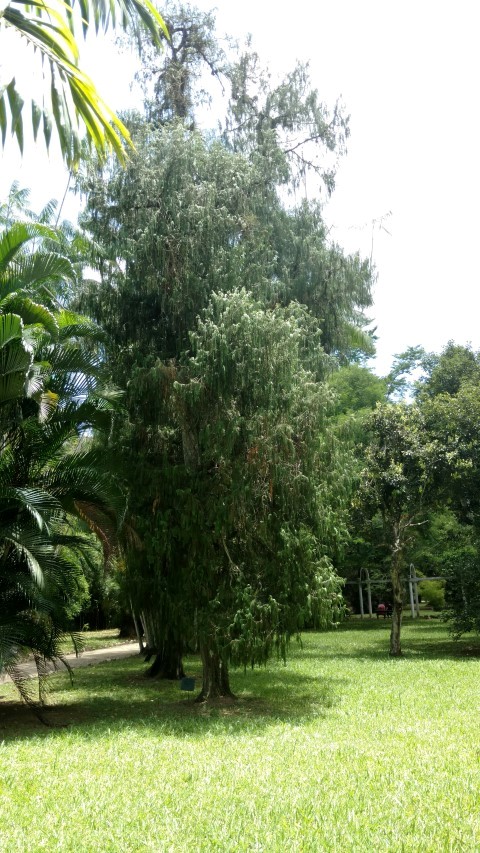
{"x": 98, "y": 640}
{"x": 343, "y": 749}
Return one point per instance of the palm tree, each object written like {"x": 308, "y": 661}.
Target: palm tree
{"x": 69, "y": 95}
{"x": 52, "y": 473}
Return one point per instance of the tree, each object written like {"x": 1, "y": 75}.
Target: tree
{"x": 286, "y": 124}
{"x": 264, "y": 505}
{"x": 447, "y": 373}
{"x": 452, "y": 419}
{"x": 173, "y": 82}
{"x": 397, "y": 483}
{"x": 407, "y": 369}
{"x": 195, "y": 225}
{"x": 69, "y": 95}
{"x": 420, "y": 374}
{"x": 357, "y": 389}
{"x": 50, "y": 470}
{"x": 184, "y": 219}
{"x": 445, "y": 387}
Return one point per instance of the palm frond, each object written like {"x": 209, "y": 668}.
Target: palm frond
{"x": 73, "y": 95}
{"x": 32, "y": 313}
{"x": 28, "y": 271}
{"x": 15, "y": 238}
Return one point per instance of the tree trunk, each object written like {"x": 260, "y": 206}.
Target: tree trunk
{"x": 168, "y": 662}
{"x": 397, "y": 591}
{"x": 216, "y": 681}
{"x": 147, "y": 632}
{"x": 137, "y": 629}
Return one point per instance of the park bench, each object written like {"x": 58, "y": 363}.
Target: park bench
{"x": 384, "y": 610}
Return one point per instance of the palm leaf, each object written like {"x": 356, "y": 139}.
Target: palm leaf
{"x": 13, "y": 240}
{"x": 15, "y": 359}
{"x": 26, "y": 556}
{"x": 32, "y": 270}
{"x": 75, "y": 325}
{"x": 38, "y": 503}
{"x": 73, "y": 95}
{"x": 30, "y": 312}
{"x": 11, "y": 328}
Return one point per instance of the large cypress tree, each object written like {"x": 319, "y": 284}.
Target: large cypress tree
{"x": 192, "y": 217}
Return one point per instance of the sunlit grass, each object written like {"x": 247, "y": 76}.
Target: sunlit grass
{"x": 98, "y": 639}
{"x": 343, "y": 749}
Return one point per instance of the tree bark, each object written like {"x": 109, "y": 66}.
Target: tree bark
{"x": 137, "y": 629}
{"x": 215, "y": 681}
{"x": 168, "y": 662}
{"x": 147, "y": 633}
{"x": 397, "y": 591}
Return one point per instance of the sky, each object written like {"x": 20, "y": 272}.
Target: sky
{"x": 408, "y": 190}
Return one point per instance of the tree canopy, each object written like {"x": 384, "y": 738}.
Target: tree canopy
{"x": 225, "y": 308}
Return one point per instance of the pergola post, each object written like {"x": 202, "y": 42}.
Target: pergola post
{"x": 411, "y": 581}
{"x": 360, "y": 592}
{"x": 369, "y": 594}
{"x": 360, "y": 596}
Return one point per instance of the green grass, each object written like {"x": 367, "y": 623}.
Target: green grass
{"x": 342, "y": 750}
{"x": 99, "y": 639}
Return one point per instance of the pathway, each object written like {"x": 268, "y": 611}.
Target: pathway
{"x": 124, "y": 650}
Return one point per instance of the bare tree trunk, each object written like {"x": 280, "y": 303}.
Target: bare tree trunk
{"x": 397, "y": 591}
{"x": 216, "y": 681}
{"x": 137, "y": 628}
{"x": 147, "y": 632}
{"x": 168, "y": 662}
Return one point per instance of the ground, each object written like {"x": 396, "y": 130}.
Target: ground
{"x": 344, "y": 749}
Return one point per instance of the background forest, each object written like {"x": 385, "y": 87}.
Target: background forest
{"x": 191, "y": 439}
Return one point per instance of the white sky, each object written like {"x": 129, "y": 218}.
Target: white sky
{"x": 408, "y": 73}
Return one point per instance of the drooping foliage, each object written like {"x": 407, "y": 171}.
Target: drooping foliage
{"x": 237, "y": 483}
{"x": 262, "y": 468}
{"x": 284, "y": 123}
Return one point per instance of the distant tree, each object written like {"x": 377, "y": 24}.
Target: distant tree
{"x": 357, "y": 389}
{"x": 462, "y": 591}
{"x": 455, "y": 367}
{"x": 397, "y": 483}
{"x": 407, "y": 369}
{"x": 452, "y": 419}
{"x": 416, "y": 373}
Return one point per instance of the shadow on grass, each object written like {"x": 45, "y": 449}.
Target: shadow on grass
{"x": 117, "y": 694}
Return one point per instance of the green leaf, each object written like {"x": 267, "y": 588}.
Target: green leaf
{"x": 14, "y": 358}
{"x": 11, "y": 328}
{"x": 16, "y": 104}
{"x": 36, "y": 119}
{"x": 32, "y": 312}
{"x": 51, "y": 31}
{"x": 3, "y": 119}
{"x": 47, "y": 128}
{"x": 17, "y": 236}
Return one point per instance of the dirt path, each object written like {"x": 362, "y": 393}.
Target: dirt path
{"x": 125, "y": 650}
